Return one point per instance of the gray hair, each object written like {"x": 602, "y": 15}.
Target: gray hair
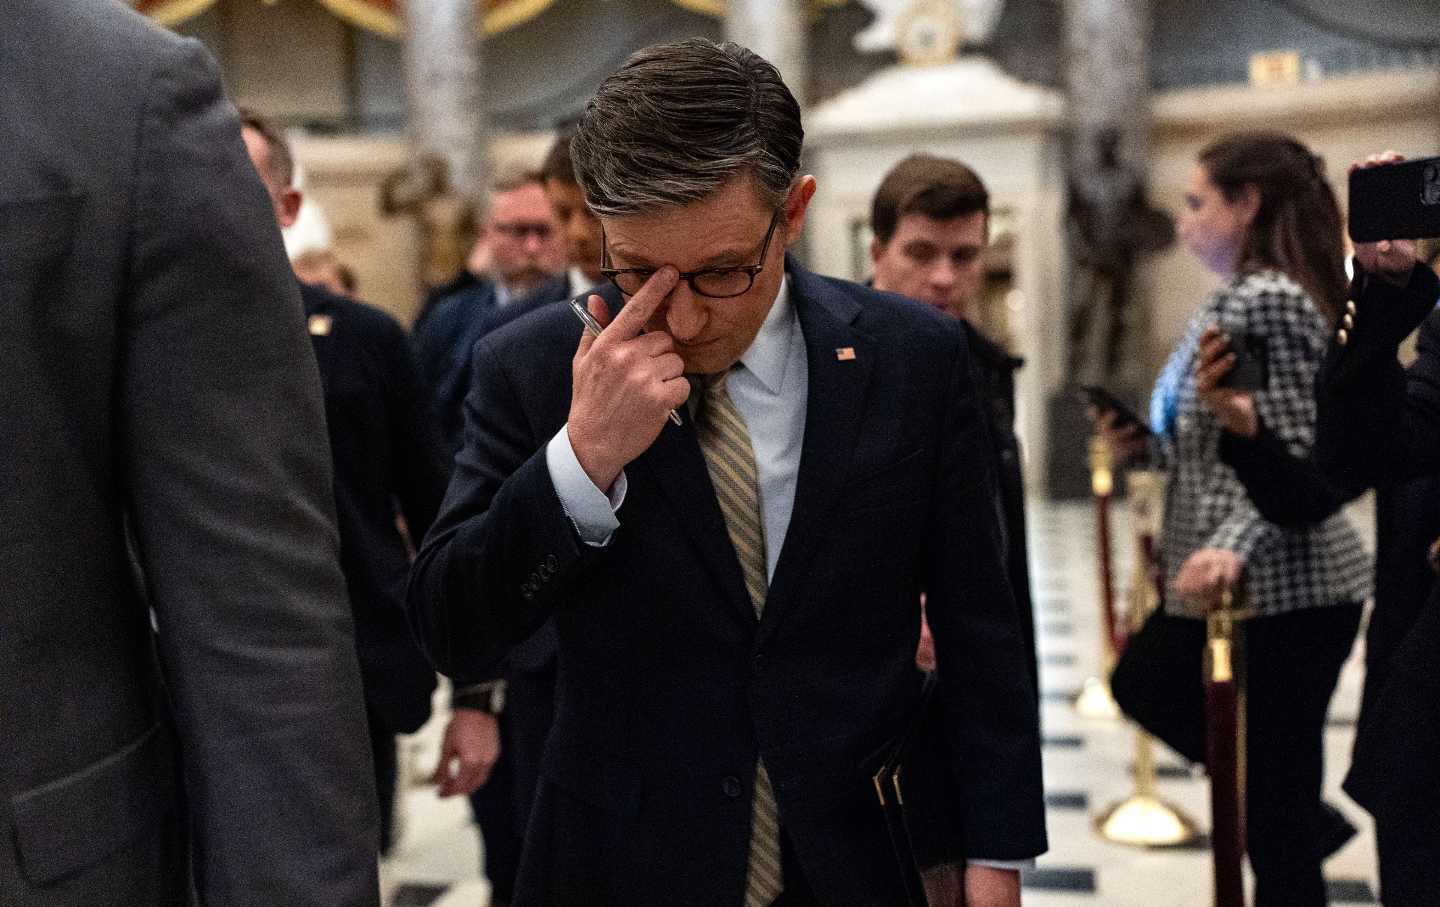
{"x": 680, "y": 120}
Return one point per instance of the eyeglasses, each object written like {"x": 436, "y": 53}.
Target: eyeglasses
{"x": 717, "y": 283}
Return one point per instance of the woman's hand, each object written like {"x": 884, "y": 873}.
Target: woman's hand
{"x": 1127, "y": 440}
{"x": 1235, "y": 409}
{"x": 1390, "y": 259}
{"x": 1208, "y": 573}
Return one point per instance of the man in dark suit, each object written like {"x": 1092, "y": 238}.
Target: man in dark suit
{"x": 387, "y": 452}
{"x": 735, "y": 596}
{"x": 1378, "y": 424}
{"x": 931, "y": 220}
{"x": 161, "y": 396}
{"x": 524, "y": 252}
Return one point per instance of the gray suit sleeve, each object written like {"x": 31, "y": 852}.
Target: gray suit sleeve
{"x": 228, "y": 466}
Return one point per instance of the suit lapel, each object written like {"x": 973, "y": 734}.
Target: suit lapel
{"x": 841, "y": 360}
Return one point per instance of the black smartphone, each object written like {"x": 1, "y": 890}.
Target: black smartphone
{"x": 1252, "y": 362}
{"x": 1102, "y": 399}
{"x": 1395, "y": 201}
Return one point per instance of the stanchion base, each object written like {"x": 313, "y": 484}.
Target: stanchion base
{"x": 1095, "y": 700}
{"x": 1144, "y": 821}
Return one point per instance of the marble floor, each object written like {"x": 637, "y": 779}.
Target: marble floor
{"x": 1087, "y": 766}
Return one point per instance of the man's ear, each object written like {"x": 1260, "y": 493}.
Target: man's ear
{"x": 876, "y": 247}
{"x": 796, "y": 204}
{"x": 290, "y": 201}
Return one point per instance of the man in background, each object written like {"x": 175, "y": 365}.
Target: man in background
{"x": 578, "y": 224}
{"x": 179, "y": 695}
{"x": 524, "y": 246}
{"x": 388, "y": 462}
{"x": 931, "y": 220}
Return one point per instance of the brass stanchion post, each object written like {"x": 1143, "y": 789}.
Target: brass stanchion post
{"x": 1144, "y": 819}
{"x": 1225, "y": 752}
{"x": 1095, "y": 700}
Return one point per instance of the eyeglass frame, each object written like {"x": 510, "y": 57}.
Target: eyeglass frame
{"x": 751, "y": 271}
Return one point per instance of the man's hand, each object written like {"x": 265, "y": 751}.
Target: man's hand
{"x": 1389, "y": 259}
{"x": 625, "y": 383}
{"x": 925, "y": 652}
{"x": 1235, "y": 409}
{"x": 468, "y": 753}
{"x": 956, "y": 885}
{"x": 1207, "y": 573}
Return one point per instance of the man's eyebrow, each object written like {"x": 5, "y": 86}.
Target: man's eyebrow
{"x": 726, "y": 258}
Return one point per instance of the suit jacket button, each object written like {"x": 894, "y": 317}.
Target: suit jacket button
{"x": 527, "y": 594}
{"x": 552, "y": 563}
{"x": 732, "y": 787}
{"x": 1343, "y": 336}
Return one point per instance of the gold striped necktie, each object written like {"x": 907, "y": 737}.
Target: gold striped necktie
{"x": 730, "y": 460}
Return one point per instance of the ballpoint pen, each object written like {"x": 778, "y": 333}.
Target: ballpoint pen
{"x": 578, "y": 307}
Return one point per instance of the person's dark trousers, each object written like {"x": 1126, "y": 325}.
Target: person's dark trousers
{"x": 1292, "y": 662}
{"x": 494, "y": 807}
{"x": 382, "y": 749}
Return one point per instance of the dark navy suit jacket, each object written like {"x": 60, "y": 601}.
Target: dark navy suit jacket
{"x": 387, "y": 453}
{"x": 669, "y": 689}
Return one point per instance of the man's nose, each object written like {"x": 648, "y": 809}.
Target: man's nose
{"x": 684, "y": 315}
{"x": 534, "y": 242}
{"x": 944, "y": 273}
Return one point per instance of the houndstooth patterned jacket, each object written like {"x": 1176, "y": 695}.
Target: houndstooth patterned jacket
{"x": 1205, "y": 504}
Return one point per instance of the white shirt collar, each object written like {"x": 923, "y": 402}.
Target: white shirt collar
{"x": 579, "y": 283}
{"x": 769, "y": 353}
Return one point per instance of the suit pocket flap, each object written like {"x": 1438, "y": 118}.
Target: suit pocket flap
{"x": 76, "y": 821}
{"x": 37, "y": 231}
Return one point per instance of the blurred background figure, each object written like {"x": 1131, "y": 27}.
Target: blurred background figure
{"x": 388, "y": 462}
{"x": 1377, "y": 426}
{"x": 178, "y": 685}
{"x": 1259, "y": 212}
{"x": 581, "y": 228}
{"x": 524, "y": 249}
{"x": 323, "y": 268}
{"x": 931, "y": 220}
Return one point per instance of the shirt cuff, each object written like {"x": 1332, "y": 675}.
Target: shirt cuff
{"x": 1012, "y": 865}
{"x": 591, "y": 511}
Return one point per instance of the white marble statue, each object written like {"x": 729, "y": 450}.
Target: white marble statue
{"x": 976, "y": 19}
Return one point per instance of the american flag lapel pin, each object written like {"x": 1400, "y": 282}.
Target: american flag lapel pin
{"x": 845, "y": 353}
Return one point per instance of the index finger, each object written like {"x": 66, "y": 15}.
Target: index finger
{"x": 630, "y": 322}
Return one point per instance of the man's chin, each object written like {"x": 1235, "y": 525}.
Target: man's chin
{"x": 706, "y": 359}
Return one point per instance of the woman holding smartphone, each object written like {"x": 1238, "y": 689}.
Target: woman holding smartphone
{"x": 1259, "y": 213}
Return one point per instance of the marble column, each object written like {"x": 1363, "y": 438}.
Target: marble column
{"x": 444, "y": 89}
{"x": 776, "y": 30}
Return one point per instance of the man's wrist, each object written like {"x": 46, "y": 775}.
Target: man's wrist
{"x": 488, "y": 697}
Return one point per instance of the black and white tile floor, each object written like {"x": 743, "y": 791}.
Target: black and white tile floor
{"x": 1086, "y": 767}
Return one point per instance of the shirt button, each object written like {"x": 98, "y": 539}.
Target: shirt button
{"x": 732, "y": 787}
